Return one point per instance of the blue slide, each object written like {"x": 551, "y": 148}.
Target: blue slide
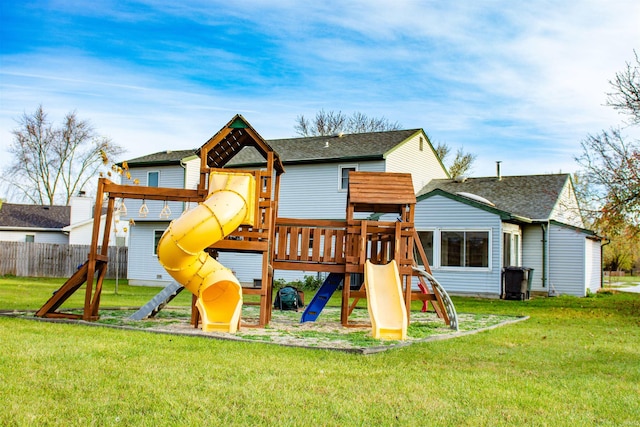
{"x": 321, "y": 297}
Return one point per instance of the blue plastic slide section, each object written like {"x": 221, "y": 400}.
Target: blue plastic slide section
{"x": 321, "y": 297}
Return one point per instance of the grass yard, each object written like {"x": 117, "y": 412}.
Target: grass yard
{"x": 575, "y": 362}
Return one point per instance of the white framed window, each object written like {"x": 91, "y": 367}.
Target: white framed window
{"x": 511, "y": 248}
{"x": 157, "y": 234}
{"x": 343, "y": 176}
{"x": 153, "y": 179}
{"x": 30, "y": 238}
{"x": 464, "y": 249}
{"x": 426, "y": 240}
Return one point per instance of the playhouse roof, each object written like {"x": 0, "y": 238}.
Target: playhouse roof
{"x": 383, "y": 192}
{"x": 232, "y": 140}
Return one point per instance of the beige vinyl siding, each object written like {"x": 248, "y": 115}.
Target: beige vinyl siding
{"x": 567, "y": 210}
{"x": 423, "y": 165}
{"x": 192, "y": 173}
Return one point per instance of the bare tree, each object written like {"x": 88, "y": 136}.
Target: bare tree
{"x": 626, "y": 91}
{"x": 442, "y": 150}
{"x": 332, "y": 122}
{"x": 51, "y": 164}
{"x": 612, "y": 170}
{"x": 462, "y": 163}
{"x": 611, "y": 162}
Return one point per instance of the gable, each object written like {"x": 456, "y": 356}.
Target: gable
{"x": 567, "y": 209}
{"x": 417, "y": 156}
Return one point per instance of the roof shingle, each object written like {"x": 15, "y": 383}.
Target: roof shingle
{"x": 370, "y": 145}
{"x": 530, "y": 196}
{"x": 34, "y": 216}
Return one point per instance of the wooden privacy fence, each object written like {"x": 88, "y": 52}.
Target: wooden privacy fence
{"x": 54, "y": 260}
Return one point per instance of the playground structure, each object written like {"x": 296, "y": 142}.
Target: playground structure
{"x": 237, "y": 212}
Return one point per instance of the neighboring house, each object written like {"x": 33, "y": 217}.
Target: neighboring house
{"x": 34, "y": 223}
{"x": 473, "y": 228}
{"x": 314, "y": 186}
{"x": 71, "y": 225}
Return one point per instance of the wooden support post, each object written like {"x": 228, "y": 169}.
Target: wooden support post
{"x": 93, "y": 251}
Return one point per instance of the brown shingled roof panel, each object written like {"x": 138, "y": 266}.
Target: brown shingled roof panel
{"x": 381, "y": 188}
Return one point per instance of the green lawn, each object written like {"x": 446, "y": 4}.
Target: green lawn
{"x": 575, "y": 362}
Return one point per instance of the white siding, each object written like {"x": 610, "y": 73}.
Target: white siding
{"x": 15, "y": 236}
{"x": 51, "y": 237}
{"x": 81, "y": 209}
{"x": 38, "y": 236}
{"x": 143, "y": 266}
{"x": 532, "y": 251}
{"x": 192, "y": 173}
{"x": 593, "y": 265}
{"x": 439, "y": 212}
{"x": 311, "y": 191}
{"x": 422, "y": 164}
{"x": 566, "y": 261}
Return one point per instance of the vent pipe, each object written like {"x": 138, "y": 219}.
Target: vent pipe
{"x": 498, "y": 174}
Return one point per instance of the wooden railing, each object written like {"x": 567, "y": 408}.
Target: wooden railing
{"x": 336, "y": 246}
{"x": 309, "y": 245}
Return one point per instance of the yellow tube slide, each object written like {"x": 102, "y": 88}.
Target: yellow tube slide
{"x": 385, "y": 301}
{"x": 181, "y": 252}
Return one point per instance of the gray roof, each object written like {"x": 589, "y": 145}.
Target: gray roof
{"x": 357, "y": 146}
{"x": 167, "y": 157}
{"x": 34, "y": 216}
{"x": 529, "y": 196}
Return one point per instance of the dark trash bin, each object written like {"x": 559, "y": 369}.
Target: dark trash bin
{"x": 516, "y": 283}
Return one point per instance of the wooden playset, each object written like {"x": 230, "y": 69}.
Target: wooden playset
{"x": 340, "y": 248}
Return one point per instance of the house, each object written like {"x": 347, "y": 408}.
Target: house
{"x": 34, "y": 223}
{"x": 472, "y": 228}
{"x": 72, "y": 225}
{"x": 314, "y": 186}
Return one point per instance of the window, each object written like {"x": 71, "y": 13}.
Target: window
{"x": 421, "y": 144}
{"x": 153, "y": 179}
{"x": 343, "y": 176}
{"x": 464, "y": 249}
{"x": 510, "y": 249}
{"x": 30, "y": 238}
{"x": 506, "y": 249}
{"x": 426, "y": 240}
{"x": 157, "y": 234}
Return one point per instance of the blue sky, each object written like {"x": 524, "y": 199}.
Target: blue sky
{"x": 519, "y": 82}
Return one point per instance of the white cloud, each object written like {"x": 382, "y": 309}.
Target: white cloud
{"x": 521, "y": 81}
